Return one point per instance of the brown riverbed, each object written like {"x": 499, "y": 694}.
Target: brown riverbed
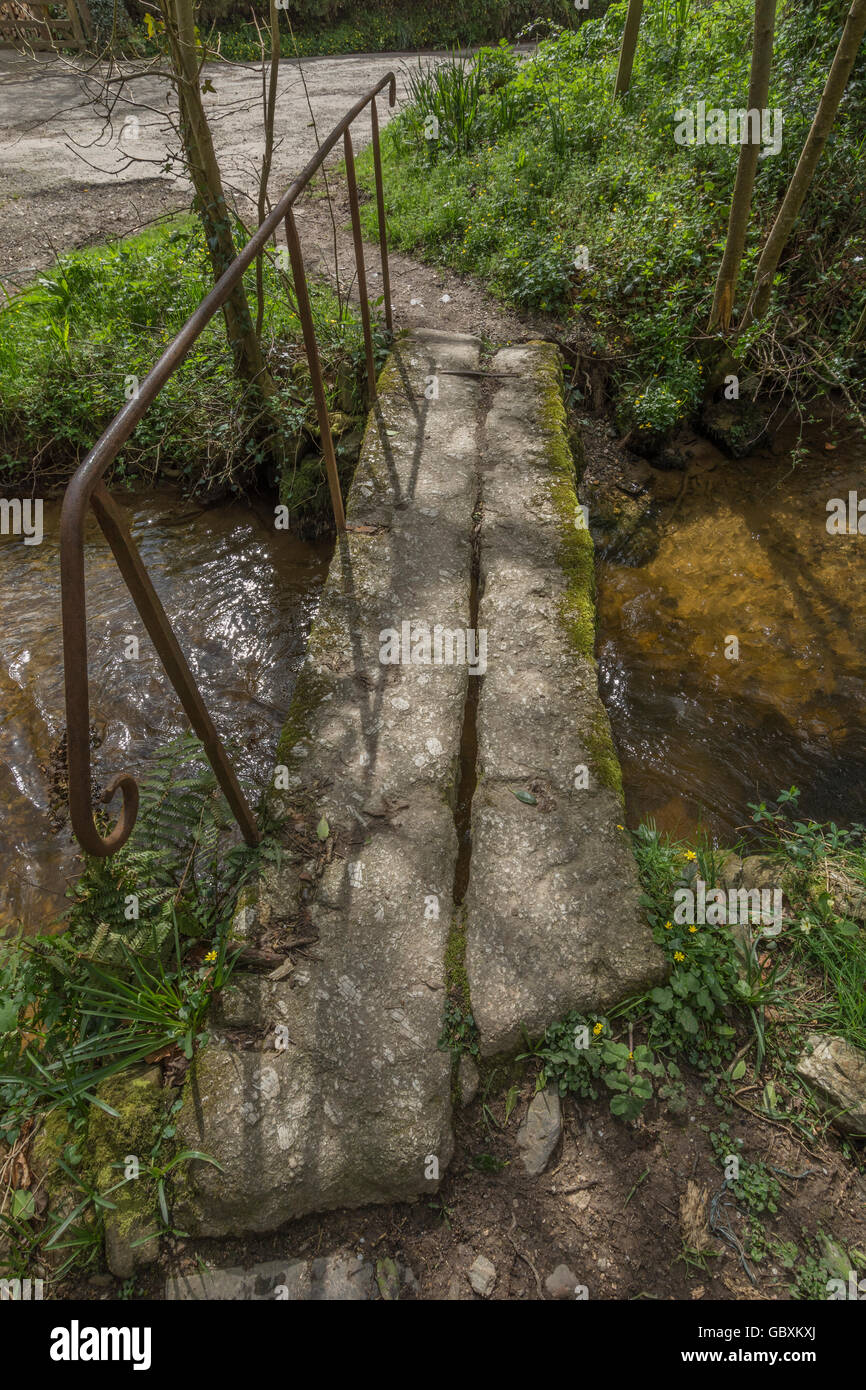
{"x": 701, "y": 735}
{"x": 241, "y": 596}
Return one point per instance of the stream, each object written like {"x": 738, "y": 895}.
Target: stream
{"x": 700, "y": 735}
{"x": 241, "y": 597}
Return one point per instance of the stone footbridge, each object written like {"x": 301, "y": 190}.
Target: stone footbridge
{"x": 447, "y": 727}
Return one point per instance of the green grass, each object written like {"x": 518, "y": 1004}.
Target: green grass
{"x": 737, "y": 1005}
{"x": 147, "y": 943}
{"x": 73, "y": 345}
{"x": 540, "y": 162}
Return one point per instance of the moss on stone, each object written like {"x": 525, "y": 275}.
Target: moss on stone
{"x": 310, "y": 689}
{"x": 54, "y": 1135}
{"x": 456, "y": 979}
{"x": 575, "y": 556}
{"x": 599, "y": 743}
{"x": 139, "y": 1101}
{"x": 576, "y": 553}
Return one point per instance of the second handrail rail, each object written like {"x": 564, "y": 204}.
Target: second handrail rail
{"x": 86, "y": 489}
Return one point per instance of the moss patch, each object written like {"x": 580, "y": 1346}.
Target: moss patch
{"x": 459, "y": 1029}
{"x": 599, "y": 743}
{"x": 140, "y": 1103}
{"x": 575, "y": 557}
{"x": 310, "y": 689}
{"x": 456, "y": 979}
{"x": 576, "y": 553}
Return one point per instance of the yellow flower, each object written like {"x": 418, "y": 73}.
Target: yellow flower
{"x": 619, "y": 827}
{"x": 668, "y": 926}
{"x": 210, "y": 957}
{"x": 692, "y": 929}
{"x": 678, "y": 955}
{"x": 690, "y": 855}
{"x": 599, "y": 1028}
{"x": 631, "y": 1056}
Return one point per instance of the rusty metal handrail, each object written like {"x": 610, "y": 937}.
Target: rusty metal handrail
{"x": 87, "y": 489}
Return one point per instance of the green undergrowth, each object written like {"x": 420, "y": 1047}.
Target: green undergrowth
{"x": 329, "y": 27}
{"x": 527, "y": 173}
{"x": 739, "y": 1001}
{"x": 128, "y": 976}
{"x": 74, "y": 346}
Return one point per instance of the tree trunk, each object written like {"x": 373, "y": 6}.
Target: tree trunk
{"x": 207, "y": 181}
{"x": 629, "y": 44}
{"x": 843, "y": 62}
{"x": 741, "y": 202}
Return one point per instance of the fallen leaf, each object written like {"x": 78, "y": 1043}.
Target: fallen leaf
{"x": 526, "y": 797}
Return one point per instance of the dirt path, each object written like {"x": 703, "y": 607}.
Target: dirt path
{"x": 66, "y": 180}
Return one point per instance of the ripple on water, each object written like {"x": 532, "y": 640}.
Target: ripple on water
{"x": 241, "y": 597}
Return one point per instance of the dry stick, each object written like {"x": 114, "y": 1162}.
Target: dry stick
{"x": 270, "y": 105}
{"x": 325, "y": 178}
{"x": 523, "y": 1256}
{"x": 840, "y": 71}
{"x": 741, "y": 202}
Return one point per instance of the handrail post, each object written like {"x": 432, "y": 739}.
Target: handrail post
{"x": 153, "y": 615}
{"x": 383, "y": 225}
{"x": 352, "y": 182}
{"x": 305, "y": 312}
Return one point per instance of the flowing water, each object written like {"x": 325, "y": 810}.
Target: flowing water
{"x": 700, "y": 735}
{"x": 241, "y": 597}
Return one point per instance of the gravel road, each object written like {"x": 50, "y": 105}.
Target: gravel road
{"x": 67, "y": 179}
